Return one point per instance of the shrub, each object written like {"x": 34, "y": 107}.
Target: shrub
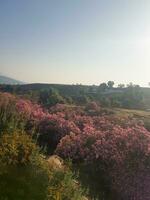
{"x": 16, "y": 148}
{"x": 25, "y": 174}
{"x": 63, "y": 186}
{"x": 18, "y": 113}
{"x": 119, "y": 157}
{"x": 92, "y": 108}
{"x": 8, "y": 115}
{"x": 52, "y": 128}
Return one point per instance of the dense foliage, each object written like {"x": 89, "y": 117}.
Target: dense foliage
{"x": 111, "y": 154}
{"x": 16, "y": 148}
{"x": 130, "y": 96}
{"x": 24, "y": 171}
{"x": 120, "y": 154}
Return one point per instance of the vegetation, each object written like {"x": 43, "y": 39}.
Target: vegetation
{"x": 130, "y": 97}
{"x": 24, "y": 172}
{"x": 109, "y": 148}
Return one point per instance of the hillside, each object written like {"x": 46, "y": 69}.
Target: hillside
{"x": 89, "y": 150}
{"x": 131, "y": 97}
{"x": 9, "y": 81}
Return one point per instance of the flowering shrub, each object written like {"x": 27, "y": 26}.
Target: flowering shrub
{"x": 121, "y": 153}
{"x": 52, "y": 128}
{"x": 30, "y": 111}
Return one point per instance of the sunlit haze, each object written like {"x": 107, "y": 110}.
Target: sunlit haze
{"x": 81, "y": 41}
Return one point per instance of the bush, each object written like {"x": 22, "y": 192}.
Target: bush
{"x": 51, "y": 129}
{"x": 63, "y": 186}
{"x": 16, "y": 148}
{"x": 25, "y": 174}
{"x": 118, "y": 158}
{"x": 22, "y": 171}
{"x": 18, "y": 113}
{"x": 8, "y": 115}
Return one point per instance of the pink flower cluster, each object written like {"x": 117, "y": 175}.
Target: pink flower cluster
{"x": 29, "y": 110}
{"x": 122, "y": 153}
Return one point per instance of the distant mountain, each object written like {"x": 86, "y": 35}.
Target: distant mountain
{"x": 9, "y": 81}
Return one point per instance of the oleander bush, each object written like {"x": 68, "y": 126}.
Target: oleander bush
{"x": 118, "y": 158}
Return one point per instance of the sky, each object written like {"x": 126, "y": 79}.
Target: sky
{"x": 75, "y": 41}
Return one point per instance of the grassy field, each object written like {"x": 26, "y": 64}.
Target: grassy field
{"x": 137, "y": 114}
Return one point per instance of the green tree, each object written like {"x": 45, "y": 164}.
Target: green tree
{"x": 110, "y": 84}
{"x": 132, "y": 96}
{"x": 121, "y": 85}
{"x": 50, "y": 97}
{"x": 102, "y": 87}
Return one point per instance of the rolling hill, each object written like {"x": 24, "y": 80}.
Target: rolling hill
{"x": 9, "y": 81}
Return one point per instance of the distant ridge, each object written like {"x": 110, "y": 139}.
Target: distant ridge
{"x": 9, "y": 81}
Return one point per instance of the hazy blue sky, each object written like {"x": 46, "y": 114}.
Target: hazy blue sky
{"x": 75, "y": 41}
